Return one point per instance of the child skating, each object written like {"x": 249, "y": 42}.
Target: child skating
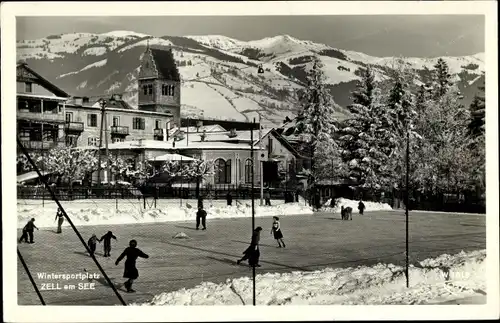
{"x": 131, "y": 272}
{"x": 276, "y": 231}
{"x": 107, "y": 243}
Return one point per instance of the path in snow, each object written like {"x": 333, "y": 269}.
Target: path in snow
{"x": 313, "y": 242}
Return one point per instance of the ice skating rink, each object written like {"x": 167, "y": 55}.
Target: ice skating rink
{"x": 313, "y": 242}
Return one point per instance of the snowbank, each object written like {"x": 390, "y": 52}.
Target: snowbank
{"x": 370, "y": 206}
{"x": 99, "y": 212}
{"x": 432, "y": 281}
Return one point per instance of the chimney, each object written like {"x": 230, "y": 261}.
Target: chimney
{"x": 78, "y": 100}
{"x": 85, "y": 100}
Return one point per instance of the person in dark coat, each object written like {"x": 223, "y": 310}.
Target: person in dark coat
{"x": 252, "y": 253}
{"x": 229, "y": 199}
{"x": 92, "y": 243}
{"x": 131, "y": 272}
{"x": 28, "y": 231}
{"x": 361, "y": 207}
{"x": 267, "y": 198}
{"x": 60, "y": 220}
{"x": 201, "y": 215}
{"x": 107, "y": 243}
{"x": 276, "y": 231}
{"x": 200, "y": 202}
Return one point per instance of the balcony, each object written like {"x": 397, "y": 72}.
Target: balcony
{"x": 119, "y": 131}
{"x": 37, "y": 116}
{"x": 73, "y": 127}
{"x": 39, "y": 145}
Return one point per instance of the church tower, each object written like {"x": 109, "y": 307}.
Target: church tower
{"x": 159, "y": 84}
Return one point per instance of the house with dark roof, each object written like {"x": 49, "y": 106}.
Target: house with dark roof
{"x": 159, "y": 84}
{"x": 40, "y": 110}
{"x": 121, "y": 123}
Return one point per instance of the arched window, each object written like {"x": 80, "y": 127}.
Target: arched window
{"x": 248, "y": 171}
{"x": 223, "y": 171}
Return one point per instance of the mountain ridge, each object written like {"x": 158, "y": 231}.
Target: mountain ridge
{"x": 87, "y": 64}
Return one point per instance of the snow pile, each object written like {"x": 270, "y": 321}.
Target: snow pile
{"x": 100, "y": 212}
{"x": 369, "y": 206}
{"x": 433, "y": 280}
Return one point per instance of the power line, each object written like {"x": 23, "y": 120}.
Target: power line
{"x": 30, "y": 277}
{"x": 54, "y": 198}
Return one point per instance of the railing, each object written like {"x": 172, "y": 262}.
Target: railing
{"x": 46, "y": 116}
{"x": 42, "y": 145}
{"x": 73, "y": 126}
{"x": 119, "y": 130}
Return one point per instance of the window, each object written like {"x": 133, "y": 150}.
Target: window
{"x": 150, "y": 89}
{"x": 248, "y": 171}
{"x": 24, "y": 134}
{"x": 93, "y": 141}
{"x": 92, "y": 120}
{"x": 145, "y": 89}
{"x": 28, "y": 87}
{"x": 138, "y": 124}
{"x": 157, "y": 124}
{"x": 223, "y": 171}
{"x": 69, "y": 117}
{"x": 113, "y": 140}
{"x": 116, "y": 121}
{"x": 270, "y": 146}
{"x": 167, "y": 90}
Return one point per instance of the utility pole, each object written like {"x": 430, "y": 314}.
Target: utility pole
{"x": 43, "y": 155}
{"x": 253, "y": 200}
{"x": 103, "y": 107}
{"x": 108, "y": 166}
{"x": 407, "y": 200}
{"x": 261, "y": 163}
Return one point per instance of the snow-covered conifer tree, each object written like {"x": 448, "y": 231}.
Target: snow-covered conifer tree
{"x": 316, "y": 124}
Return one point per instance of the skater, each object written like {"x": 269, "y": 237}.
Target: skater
{"x": 28, "y": 231}
{"x": 107, "y": 243}
{"x": 60, "y": 218}
{"x": 92, "y": 243}
{"x": 267, "y": 197}
{"x": 201, "y": 215}
{"x": 346, "y": 213}
{"x": 229, "y": 199}
{"x": 252, "y": 253}
{"x": 361, "y": 207}
{"x": 131, "y": 272}
{"x": 276, "y": 230}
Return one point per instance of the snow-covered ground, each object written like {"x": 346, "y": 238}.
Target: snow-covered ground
{"x": 369, "y": 206}
{"x": 433, "y": 281}
{"x": 130, "y": 211}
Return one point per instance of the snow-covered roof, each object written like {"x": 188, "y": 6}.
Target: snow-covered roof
{"x": 29, "y": 176}
{"x": 173, "y": 157}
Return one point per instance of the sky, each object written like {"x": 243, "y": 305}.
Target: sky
{"x": 376, "y": 35}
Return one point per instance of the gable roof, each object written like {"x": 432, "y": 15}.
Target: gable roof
{"x": 165, "y": 64}
{"x": 48, "y": 85}
{"x": 287, "y": 144}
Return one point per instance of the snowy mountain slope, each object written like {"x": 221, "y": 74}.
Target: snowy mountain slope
{"x": 219, "y": 74}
